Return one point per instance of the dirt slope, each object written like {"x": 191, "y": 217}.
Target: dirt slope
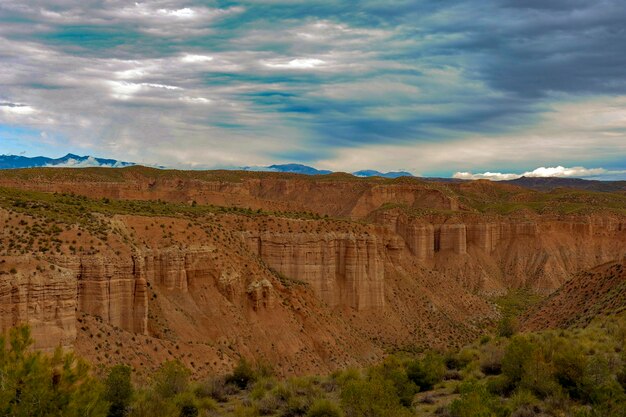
{"x": 599, "y": 291}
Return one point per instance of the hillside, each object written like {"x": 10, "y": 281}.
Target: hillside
{"x": 600, "y": 291}
{"x": 311, "y": 273}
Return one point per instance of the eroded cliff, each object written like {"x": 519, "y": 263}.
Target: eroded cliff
{"x": 397, "y": 265}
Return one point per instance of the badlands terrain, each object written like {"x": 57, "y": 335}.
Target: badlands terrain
{"x": 309, "y": 273}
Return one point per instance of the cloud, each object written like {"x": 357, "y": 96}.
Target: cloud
{"x": 430, "y": 87}
{"x": 297, "y": 63}
{"x": 542, "y": 172}
{"x": 86, "y": 163}
{"x": 195, "y": 59}
{"x": 17, "y": 109}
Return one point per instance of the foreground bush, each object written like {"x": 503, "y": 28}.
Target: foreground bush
{"x": 579, "y": 373}
{"x": 373, "y": 397}
{"x": 119, "y": 391}
{"x": 34, "y": 384}
{"x": 427, "y": 372}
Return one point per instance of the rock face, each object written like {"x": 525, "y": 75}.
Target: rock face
{"x": 344, "y": 269}
{"x": 43, "y": 298}
{"x": 539, "y": 252}
{"x": 451, "y": 237}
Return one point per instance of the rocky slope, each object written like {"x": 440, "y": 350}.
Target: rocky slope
{"x": 310, "y": 274}
{"x": 599, "y": 291}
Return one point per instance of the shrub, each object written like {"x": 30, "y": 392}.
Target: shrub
{"x": 476, "y": 401}
{"x": 118, "y": 390}
{"x": 372, "y": 397}
{"x": 507, "y": 327}
{"x": 148, "y": 403}
{"x": 243, "y": 375}
{"x": 538, "y": 376}
{"x": 459, "y": 360}
{"x": 213, "y": 387}
{"x": 515, "y": 356}
{"x": 171, "y": 379}
{"x": 427, "y": 372}
{"x": 570, "y": 363}
{"x": 394, "y": 371}
{"x": 491, "y": 359}
{"x": 34, "y": 384}
{"x": 324, "y": 408}
{"x": 187, "y": 405}
{"x": 499, "y": 385}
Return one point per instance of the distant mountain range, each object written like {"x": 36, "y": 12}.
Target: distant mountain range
{"x": 69, "y": 160}
{"x": 534, "y": 183}
{"x": 307, "y": 170}
{"x": 72, "y": 160}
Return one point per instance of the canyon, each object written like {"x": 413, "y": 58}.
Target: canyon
{"x": 310, "y": 274}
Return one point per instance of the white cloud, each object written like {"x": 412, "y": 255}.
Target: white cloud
{"x": 195, "y": 59}
{"x": 87, "y": 163}
{"x": 196, "y": 100}
{"x": 185, "y": 13}
{"x": 541, "y": 172}
{"x": 162, "y": 21}
{"x": 297, "y": 63}
{"x": 17, "y": 109}
{"x": 124, "y": 90}
{"x": 494, "y": 176}
{"x": 131, "y": 73}
{"x": 163, "y": 86}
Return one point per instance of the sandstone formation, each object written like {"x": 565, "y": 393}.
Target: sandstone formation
{"x": 32, "y": 293}
{"x": 343, "y": 269}
{"x": 398, "y": 264}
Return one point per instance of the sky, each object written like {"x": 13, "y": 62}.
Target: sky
{"x": 472, "y": 89}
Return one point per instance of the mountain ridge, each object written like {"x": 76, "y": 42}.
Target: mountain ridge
{"x": 69, "y": 160}
{"x": 534, "y": 183}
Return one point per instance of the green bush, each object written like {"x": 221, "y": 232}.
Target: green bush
{"x": 427, "y": 372}
{"x": 372, "y": 397}
{"x": 187, "y": 405}
{"x": 37, "y": 385}
{"x": 171, "y": 379}
{"x": 243, "y": 375}
{"x": 491, "y": 356}
{"x": 499, "y": 385}
{"x": 515, "y": 356}
{"x": 147, "y": 403}
{"x": 324, "y": 408}
{"x": 476, "y": 401}
{"x": 118, "y": 390}
{"x": 507, "y": 327}
{"x": 393, "y": 370}
{"x": 459, "y": 360}
{"x": 570, "y": 363}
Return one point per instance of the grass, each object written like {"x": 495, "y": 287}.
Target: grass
{"x": 516, "y": 302}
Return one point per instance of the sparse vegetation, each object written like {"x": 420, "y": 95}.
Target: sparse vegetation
{"x": 579, "y": 372}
